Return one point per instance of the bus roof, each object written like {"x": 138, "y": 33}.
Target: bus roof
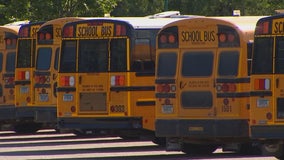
{"x": 63, "y": 20}
{"x": 12, "y": 29}
{"x": 246, "y": 24}
{"x": 138, "y": 22}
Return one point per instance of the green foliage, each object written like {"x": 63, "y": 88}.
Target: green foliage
{"x": 43, "y": 10}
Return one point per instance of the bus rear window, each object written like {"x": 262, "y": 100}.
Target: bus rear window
{"x": 118, "y": 55}
{"x": 279, "y": 55}
{"x": 43, "y": 58}
{"x": 93, "y": 55}
{"x": 167, "y": 63}
{"x": 10, "y": 62}
{"x": 24, "y": 54}
{"x": 197, "y": 63}
{"x": 68, "y": 57}
{"x": 228, "y": 63}
{"x": 262, "y": 56}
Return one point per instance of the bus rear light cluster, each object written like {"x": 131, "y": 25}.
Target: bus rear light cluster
{"x": 23, "y": 75}
{"x": 226, "y": 87}
{"x": 118, "y": 80}
{"x": 9, "y": 80}
{"x": 167, "y": 38}
{"x": 45, "y": 36}
{"x": 120, "y": 30}
{"x": 262, "y": 84}
{"x": 10, "y": 41}
{"x": 262, "y": 28}
{"x": 68, "y": 31}
{"x": 165, "y": 88}
{"x": 24, "y": 32}
{"x": 67, "y": 81}
{"x": 42, "y": 79}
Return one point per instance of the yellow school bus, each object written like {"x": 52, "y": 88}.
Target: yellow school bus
{"x": 37, "y": 109}
{"x": 202, "y": 83}
{"x": 106, "y": 76}
{"x": 267, "y": 88}
{"x": 8, "y": 44}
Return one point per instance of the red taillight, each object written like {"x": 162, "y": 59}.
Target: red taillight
{"x": 165, "y": 88}
{"x": 269, "y": 116}
{"x": 118, "y": 80}
{"x": 67, "y": 81}
{"x": 21, "y": 75}
{"x": 120, "y": 30}
{"x": 262, "y": 84}
{"x": 227, "y": 87}
{"x": 68, "y": 31}
{"x": 41, "y": 79}
{"x": 167, "y": 38}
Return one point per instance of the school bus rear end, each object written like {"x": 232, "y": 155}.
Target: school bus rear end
{"x": 202, "y": 83}
{"x": 8, "y": 44}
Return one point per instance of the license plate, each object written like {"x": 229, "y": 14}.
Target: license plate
{"x": 43, "y": 97}
{"x": 167, "y": 109}
{"x": 24, "y": 89}
{"x": 261, "y": 102}
{"x": 67, "y": 97}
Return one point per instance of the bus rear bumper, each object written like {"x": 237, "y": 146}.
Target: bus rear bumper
{"x": 42, "y": 114}
{"x": 100, "y": 123}
{"x": 267, "y": 132}
{"x": 7, "y": 113}
{"x": 192, "y": 128}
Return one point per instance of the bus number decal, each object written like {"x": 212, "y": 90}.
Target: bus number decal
{"x": 278, "y": 26}
{"x": 87, "y": 31}
{"x": 226, "y": 108}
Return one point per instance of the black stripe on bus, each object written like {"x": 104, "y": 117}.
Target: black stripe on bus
{"x": 22, "y": 82}
{"x": 165, "y": 95}
{"x": 261, "y": 93}
{"x": 144, "y": 74}
{"x": 64, "y": 89}
{"x": 133, "y": 88}
{"x": 162, "y": 81}
{"x": 234, "y": 80}
{"x": 9, "y": 86}
{"x": 145, "y": 103}
{"x": 9, "y": 75}
{"x": 233, "y": 95}
{"x": 42, "y": 73}
{"x": 42, "y": 85}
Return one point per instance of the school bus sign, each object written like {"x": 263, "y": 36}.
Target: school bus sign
{"x": 95, "y": 30}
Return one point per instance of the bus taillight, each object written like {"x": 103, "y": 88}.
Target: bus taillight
{"x": 68, "y": 31}
{"x": 41, "y": 79}
{"x": 23, "y": 75}
{"x": 67, "y": 81}
{"x": 165, "y": 88}
{"x": 227, "y": 87}
{"x": 262, "y": 84}
{"x": 24, "y": 32}
{"x": 167, "y": 38}
{"x": 117, "y": 80}
{"x": 120, "y": 30}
